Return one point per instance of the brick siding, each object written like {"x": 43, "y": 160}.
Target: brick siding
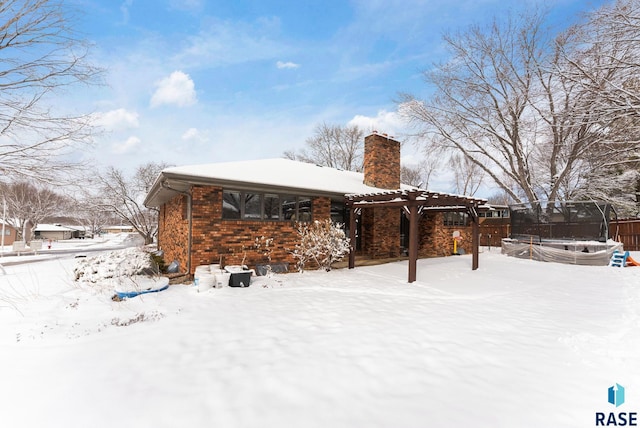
{"x": 436, "y": 239}
{"x": 173, "y": 231}
{"x": 381, "y": 226}
{"x": 381, "y": 232}
{"x": 232, "y": 241}
{"x": 381, "y": 162}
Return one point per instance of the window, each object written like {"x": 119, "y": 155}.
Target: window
{"x": 304, "y": 209}
{"x": 498, "y": 213}
{"x": 289, "y": 207}
{"x": 271, "y": 207}
{"x": 456, "y": 219}
{"x": 265, "y": 206}
{"x": 252, "y": 206}
{"x": 231, "y": 205}
{"x": 338, "y": 212}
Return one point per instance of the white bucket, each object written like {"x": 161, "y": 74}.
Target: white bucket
{"x": 199, "y": 272}
{"x": 202, "y": 269}
{"x": 204, "y": 281}
{"x": 222, "y": 279}
{"x": 214, "y": 267}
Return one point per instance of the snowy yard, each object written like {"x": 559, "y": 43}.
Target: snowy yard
{"x": 515, "y": 343}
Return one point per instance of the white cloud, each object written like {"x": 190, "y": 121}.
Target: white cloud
{"x": 117, "y": 120}
{"x": 126, "y": 146}
{"x": 285, "y": 65}
{"x": 124, "y": 8}
{"x": 232, "y": 42}
{"x": 190, "y": 134}
{"x": 188, "y": 5}
{"x": 177, "y": 89}
{"x": 385, "y": 122}
{"x": 193, "y": 134}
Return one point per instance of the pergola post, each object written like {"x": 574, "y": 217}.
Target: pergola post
{"x": 475, "y": 238}
{"x": 352, "y": 236}
{"x": 413, "y": 241}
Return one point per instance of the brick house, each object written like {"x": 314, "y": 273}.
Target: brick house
{"x": 10, "y": 233}
{"x": 215, "y": 212}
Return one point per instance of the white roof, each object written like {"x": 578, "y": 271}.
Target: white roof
{"x": 52, "y": 228}
{"x": 280, "y": 172}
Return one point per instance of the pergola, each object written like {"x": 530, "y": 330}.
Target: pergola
{"x": 415, "y": 203}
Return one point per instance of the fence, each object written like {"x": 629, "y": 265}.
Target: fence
{"x": 626, "y": 231}
{"x": 492, "y": 230}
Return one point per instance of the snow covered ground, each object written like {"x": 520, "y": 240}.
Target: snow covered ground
{"x": 517, "y": 343}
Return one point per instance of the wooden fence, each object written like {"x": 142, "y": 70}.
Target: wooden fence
{"x": 626, "y": 231}
{"x": 492, "y": 230}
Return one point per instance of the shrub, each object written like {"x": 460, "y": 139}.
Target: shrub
{"x": 321, "y": 242}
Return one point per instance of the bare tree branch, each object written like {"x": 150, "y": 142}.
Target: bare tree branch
{"x": 124, "y": 197}
{"x": 29, "y": 203}
{"x": 333, "y": 145}
{"x": 541, "y": 116}
{"x": 40, "y": 55}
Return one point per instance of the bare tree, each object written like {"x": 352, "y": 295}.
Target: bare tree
{"x": 90, "y": 212}
{"x": 333, "y": 145}
{"x": 607, "y": 65}
{"x": 509, "y": 101}
{"x": 40, "y": 55}
{"x": 499, "y": 198}
{"x": 29, "y": 204}
{"x": 604, "y": 61}
{"x": 124, "y": 196}
{"x": 468, "y": 176}
{"x": 411, "y": 175}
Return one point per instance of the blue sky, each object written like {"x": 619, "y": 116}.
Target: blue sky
{"x": 196, "y": 81}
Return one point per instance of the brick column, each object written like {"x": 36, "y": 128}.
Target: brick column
{"x": 381, "y": 162}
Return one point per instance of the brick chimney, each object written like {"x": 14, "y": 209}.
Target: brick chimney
{"x": 381, "y": 161}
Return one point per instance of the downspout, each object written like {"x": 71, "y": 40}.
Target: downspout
{"x": 189, "y": 220}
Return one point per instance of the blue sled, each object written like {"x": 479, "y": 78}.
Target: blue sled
{"x": 129, "y": 294}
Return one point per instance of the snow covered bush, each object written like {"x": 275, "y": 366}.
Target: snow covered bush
{"x": 127, "y": 262}
{"x": 321, "y": 242}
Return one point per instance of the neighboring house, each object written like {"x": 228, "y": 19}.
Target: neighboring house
{"x": 118, "y": 229}
{"x": 54, "y": 232}
{"x": 216, "y": 212}
{"x": 10, "y": 234}
{"x": 495, "y": 225}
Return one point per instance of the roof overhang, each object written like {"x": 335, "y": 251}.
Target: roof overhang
{"x": 169, "y": 184}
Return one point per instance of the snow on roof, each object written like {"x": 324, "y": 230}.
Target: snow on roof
{"x": 280, "y": 172}
{"x": 120, "y": 226}
{"x": 52, "y": 228}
